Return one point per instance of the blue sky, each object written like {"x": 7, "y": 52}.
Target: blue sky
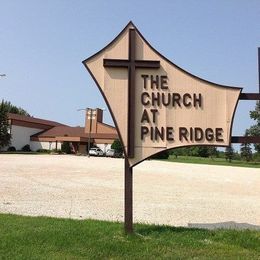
{"x": 42, "y": 45}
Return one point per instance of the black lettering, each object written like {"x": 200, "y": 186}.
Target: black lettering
{"x": 209, "y": 134}
{"x": 164, "y": 101}
{"x": 159, "y": 133}
{"x": 183, "y": 133}
{"x": 144, "y": 131}
{"x": 219, "y": 137}
{"x": 152, "y": 134}
{"x": 145, "y": 117}
{"x": 155, "y": 81}
{"x": 154, "y": 111}
{"x": 147, "y": 102}
{"x": 191, "y": 133}
{"x": 156, "y": 99}
{"x": 176, "y": 97}
{"x": 169, "y": 134}
{"x": 164, "y": 82}
{"x": 186, "y": 100}
{"x": 197, "y": 101}
{"x": 145, "y": 80}
{"x": 198, "y": 134}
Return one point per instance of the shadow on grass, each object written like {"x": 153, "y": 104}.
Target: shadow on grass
{"x": 224, "y": 225}
{"x": 151, "y": 229}
{"x": 198, "y": 228}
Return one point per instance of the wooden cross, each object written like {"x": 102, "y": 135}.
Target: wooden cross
{"x": 131, "y": 64}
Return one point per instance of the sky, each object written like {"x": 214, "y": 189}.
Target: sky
{"x": 43, "y": 44}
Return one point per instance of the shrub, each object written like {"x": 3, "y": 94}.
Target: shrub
{"x": 246, "y": 152}
{"x": 256, "y": 157}
{"x": 11, "y": 149}
{"x": 229, "y": 153}
{"x": 174, "y": 152}
{"x": 117, "y": 146}
{"x": 56, "y": 151}
{"x": 203, "y": 151}
{"x": 65, "y": 148}
{"x": 26, "y": 148}
{"x": 43, "y": 151}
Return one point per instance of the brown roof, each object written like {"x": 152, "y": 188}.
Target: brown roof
{"x": 34, "y": 120}
{"x": 63, "y": 131}
{"x": 67, "y": 131}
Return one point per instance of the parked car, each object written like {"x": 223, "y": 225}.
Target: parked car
{"x": 113, "y": 153}
{"x": 96, "y": 152}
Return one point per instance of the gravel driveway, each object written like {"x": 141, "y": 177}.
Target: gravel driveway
{"x": 164, "y": 193}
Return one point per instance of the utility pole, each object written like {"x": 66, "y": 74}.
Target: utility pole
{"x": 259, "y": 69}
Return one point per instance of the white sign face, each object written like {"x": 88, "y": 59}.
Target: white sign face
{"x": 155, "y": 104}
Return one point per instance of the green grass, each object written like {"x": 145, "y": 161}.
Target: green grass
{"x": 214, "y": 161}
{"x": 50, "y": 238}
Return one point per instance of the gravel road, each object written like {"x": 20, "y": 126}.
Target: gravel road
{"x": 164, "y": 193}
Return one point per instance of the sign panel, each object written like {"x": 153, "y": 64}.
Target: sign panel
{"x": 155, "y": 104}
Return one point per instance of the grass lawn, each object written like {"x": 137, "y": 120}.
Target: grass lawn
{"x": 214, "y": 161}
{"x": 50, "y": 238}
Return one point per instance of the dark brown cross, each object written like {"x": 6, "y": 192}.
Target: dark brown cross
{"x": 131, "y": 64}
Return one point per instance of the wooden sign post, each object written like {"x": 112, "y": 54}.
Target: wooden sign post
{"x": 157, "y": 106}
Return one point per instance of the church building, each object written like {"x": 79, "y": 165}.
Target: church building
{"x": 46, "y": 134}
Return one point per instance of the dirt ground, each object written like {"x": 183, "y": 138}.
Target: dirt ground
{"x": 164, "y": 193}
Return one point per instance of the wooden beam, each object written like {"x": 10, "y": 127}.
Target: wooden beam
{"x": 245, "y": 139}
{"x": 249, "y": 96}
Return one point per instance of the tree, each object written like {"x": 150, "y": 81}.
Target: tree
{"x": 14, "y": 109}
{"x": 254, "y": 130}
{"x": 5, "y": 108}
{"x": 117, "y": 146}
{"x": 246, "y": 150}
{"x": 229, "y": 153}
{"x": 213, "y": 152}
{"x": 203, "y": 151}
{"x": 176, "y": 152}
{"x": 65, "y": 148}
{"x": 5, "y": 135}
{"x": 200, "y": 151}
{"x": 192, "y": 151}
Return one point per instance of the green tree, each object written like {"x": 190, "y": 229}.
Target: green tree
{"x": 65, "y": 148}
{"x": 200, "y": 151}
{"x": 213, "y": 152}
{"x": 14, "y": 109}
{"x": 176, "y": 152}
{"x": 5, "y": 135}
{"x": 117, "y": 146}
{"x": 254, "y": 130}
{"x": 229, "y": 153}
{"x": 203, "y": 151}
{"x": 246, "y": 150}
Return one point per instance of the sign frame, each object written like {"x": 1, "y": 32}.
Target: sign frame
{"x": 131, "y": 64}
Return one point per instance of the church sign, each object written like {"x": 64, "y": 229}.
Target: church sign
{"x": 155, "y": 104}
